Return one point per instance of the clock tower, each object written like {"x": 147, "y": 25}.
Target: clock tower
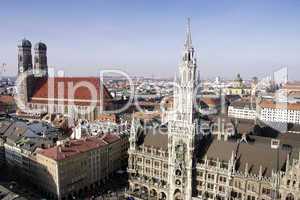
{"x": 182, "y": 126}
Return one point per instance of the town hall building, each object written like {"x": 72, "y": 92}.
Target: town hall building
{"x": 174, "y": 161}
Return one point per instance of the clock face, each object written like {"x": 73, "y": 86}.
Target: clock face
{"x": 21, "y": 69}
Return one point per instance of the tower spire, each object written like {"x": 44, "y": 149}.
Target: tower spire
{"x": 188, "y": 42}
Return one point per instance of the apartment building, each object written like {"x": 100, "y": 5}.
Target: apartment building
{"x": 75, "y": 167}
{"x": 243, "y": 109}
{"x": 279, "y": 112}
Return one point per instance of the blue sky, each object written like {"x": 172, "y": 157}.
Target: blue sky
{"x": 146, "y": 37}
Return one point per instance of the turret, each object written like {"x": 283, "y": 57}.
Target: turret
{"x": 24, "y": 56}
{"x": 40, "y": 68}
{"x": 24, "y": 85}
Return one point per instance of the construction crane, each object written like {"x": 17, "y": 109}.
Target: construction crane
{"x": 2, "y": 70}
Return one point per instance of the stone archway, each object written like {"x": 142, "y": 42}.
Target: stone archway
{"x": 290, "y": 196}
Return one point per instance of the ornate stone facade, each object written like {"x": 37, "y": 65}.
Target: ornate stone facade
{"x": 173, "y": 161}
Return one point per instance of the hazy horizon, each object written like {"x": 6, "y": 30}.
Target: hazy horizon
{"x": 145, "y": 38}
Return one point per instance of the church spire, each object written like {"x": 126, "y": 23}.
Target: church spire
{"x": 188, "y": 41}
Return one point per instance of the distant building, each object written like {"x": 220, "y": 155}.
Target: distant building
{"x": 291, "y": 86}
{"x": 271, "y": 111}
{"x": 210, "y": 105}
{"x": 243, "y": 109}
{"x": 238, "y": 88}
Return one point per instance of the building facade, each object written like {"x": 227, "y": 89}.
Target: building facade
{"x": 75, "y": 167}
{"x": 271, "y": 111}
{"x": 243, "y": 109}
{"x": 172, "y": 161}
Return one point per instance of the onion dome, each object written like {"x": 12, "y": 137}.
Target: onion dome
{"x": 24, "y": 43}
{"x": 40, "y": 46}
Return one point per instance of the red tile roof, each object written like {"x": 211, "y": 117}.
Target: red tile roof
{"x": 209, "y": 101}
{"x": 73, "y": 147}
{"x": 273, "y": 105}
{"x": 62, "y": 86}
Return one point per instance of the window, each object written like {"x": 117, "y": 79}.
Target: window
{"x": 148, "y": 162}
{"x": 210, "y": 186}
{"x": 211, "y": 176}
{"x": 199, "y": 173}
{"x": 222, "y": 189}
{"x": 222, "y": 179}
{"x": 199, "y": 193}
{"x": 199, "y": 183}
{"x": 266, "y": 191}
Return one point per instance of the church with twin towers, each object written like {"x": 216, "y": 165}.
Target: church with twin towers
{"x": 39, "y": 93}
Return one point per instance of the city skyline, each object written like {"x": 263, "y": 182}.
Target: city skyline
{"x": 230, "y": 37}
{"x": 71, "y": 127}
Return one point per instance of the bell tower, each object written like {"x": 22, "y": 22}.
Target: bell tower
{"x": 40, "y": 68}
{"x": 24, "y": 70}
{"x": 182, "y": 126}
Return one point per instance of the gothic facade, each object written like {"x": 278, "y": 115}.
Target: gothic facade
{"x": 174, "y": 161}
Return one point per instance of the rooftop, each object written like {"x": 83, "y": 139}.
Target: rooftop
{"x": 276, "y": 105}
{"x": 61, "y": 90}
{"x": 244, "y": 103}
{"x": 156, "y": 138}
{"x": 253, "y": 154}
{"x": 29, "y": 136}
{"x": 75, "y": 147}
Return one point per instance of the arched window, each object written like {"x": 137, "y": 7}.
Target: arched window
{"x": 178, "y": 172}
{"x": 290, "y": 197}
